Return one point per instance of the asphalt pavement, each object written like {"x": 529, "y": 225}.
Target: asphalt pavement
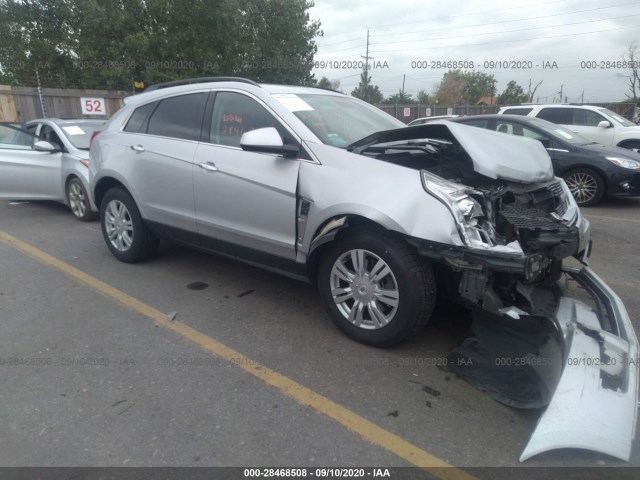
{"x": 192, "y": 359}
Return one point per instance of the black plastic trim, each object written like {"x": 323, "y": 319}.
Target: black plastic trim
{"x": 190, "y": 81}
{"x": 495, "y": 261}
{"x": 272, "y": 263}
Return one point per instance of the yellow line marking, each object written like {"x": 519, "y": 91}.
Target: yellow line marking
{"x": 604, "y": 217}
{"x": 303, "y": 395}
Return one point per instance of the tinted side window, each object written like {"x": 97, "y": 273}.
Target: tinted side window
{"x": 586, "y": 117}
{"x": 517, "y": 111}
{"x": 526, "y": 132}
{"x": 234, "y": 113}
{"x": 179, "y": 117}
{"x": 514, "y": 128}
{"x": 137, "y": 120}
{"x": 15, "y": 139}
{"x": 556, "y": 115}
{"x": 47, "y": 133}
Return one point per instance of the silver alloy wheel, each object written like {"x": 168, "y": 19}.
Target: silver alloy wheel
{"x": 118, "y": 225}
{"x": 583, "y": 186}
{"x": 364, "y": 289}
{"x": 77, "y": 199}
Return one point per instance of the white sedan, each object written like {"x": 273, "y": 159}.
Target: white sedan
{"x": 48, "y": 161}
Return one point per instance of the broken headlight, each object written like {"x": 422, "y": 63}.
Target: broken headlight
{"x": 465, "y": 209}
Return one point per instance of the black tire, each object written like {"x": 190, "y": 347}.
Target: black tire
{"x": 123, "y": 229}
{"x": 78, "y": 201}
{"x": 586, "y": 185}
{"x": 411, "y": 277}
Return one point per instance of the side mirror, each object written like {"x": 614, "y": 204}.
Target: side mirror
{"x": 44, "y": 146}
{"x": 267, "y": 140}
{"x": 605, "y": 124}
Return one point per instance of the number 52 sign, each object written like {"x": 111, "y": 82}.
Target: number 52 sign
{"x": 93, "y": 106}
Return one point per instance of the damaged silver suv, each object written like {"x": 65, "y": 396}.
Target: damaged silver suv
{"x": 325, "y": 188}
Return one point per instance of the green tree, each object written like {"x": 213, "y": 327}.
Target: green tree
{"x": 279, "y": 40}
{"x": 324, "y": 82}
{"x": 457, "y": 86}
{"x": 424, "y": 98}
{"x": 108, "y": 44}
{"x": 513, "y": 94}
{"x": 366, "y": 91}
{"x": 36, "y": 39}
{"x": 400, "y": 98}
{"x": 477, "y": 85}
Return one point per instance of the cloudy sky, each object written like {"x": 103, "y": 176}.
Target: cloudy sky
{"x": 408, "y": 37}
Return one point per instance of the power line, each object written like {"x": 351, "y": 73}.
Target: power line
{"x": 509, "y": 41}
{"x": 448, "y": 18}
{"x": 484, "y": 24}
{"x": 510, "y": 31}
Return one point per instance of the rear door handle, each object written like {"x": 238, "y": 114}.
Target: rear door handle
{"x": 137, "y": 148}
{"x": 209, "y": 167}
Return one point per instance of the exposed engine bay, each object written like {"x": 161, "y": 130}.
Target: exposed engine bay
{"x": 514, "y": 235}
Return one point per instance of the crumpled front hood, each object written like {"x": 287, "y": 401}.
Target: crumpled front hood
{"x": 494, "y": 155}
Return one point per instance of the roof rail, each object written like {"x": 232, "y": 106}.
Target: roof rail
{"x": 328, "y": 89}
{"x": 188, "y": 81}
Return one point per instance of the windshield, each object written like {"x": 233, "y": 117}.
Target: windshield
{"x": 618, "y": 118}
{"x": 337, "y": 120}
{"x": 79, "y": 134}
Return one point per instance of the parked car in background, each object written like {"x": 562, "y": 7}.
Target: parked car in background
{"x": 591, "y": 170}
{"x": 597, "y": 124}
{"x": 49, "y": 161}
{"x": 423, "y": 120}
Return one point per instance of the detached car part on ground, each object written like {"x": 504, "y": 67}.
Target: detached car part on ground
{"x": 325, "y": 188}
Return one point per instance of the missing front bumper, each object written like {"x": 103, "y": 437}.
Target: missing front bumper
{"x": 580, "y": 362}
{"x": 595, "y": 404}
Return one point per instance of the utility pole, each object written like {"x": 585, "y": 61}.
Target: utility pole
{"x": 560, "y": 92}
{"x": 366, "y": 70}
{"x": 44, "y": 111}
{"x": 582, "y": 97}
{"x": 404, "y": 77}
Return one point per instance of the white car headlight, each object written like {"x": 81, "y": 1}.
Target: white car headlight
{"x": 625, "y": 162}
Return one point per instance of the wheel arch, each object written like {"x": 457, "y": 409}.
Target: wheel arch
{"x": 70, "y": 176}
{"x": 103, "y": 186}
{"x": 330, "y": 231}
{"x": 629, "y": 143}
